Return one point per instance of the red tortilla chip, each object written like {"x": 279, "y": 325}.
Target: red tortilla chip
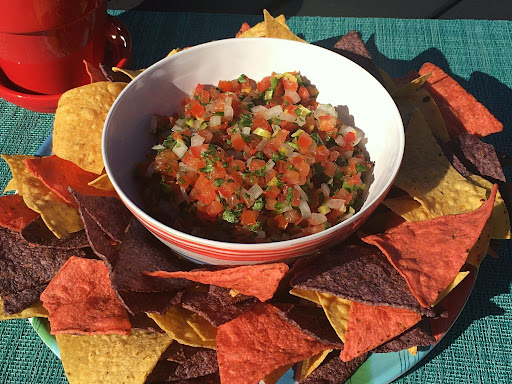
{"x": 259, "y": 341}
{"x": 80, "y": 300}
{"x": 59, "y": 174}
{"x": 14, "y": 213}
{"x": 260, "y": 281}
{"x": 95, "y": 73}
{"x": 370, "y": 326}
{"x": 430, "y": 253}
{"x": 243, "y": 28}
{"x": 460, "y": 110}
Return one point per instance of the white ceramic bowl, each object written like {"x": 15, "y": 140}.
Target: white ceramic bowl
{"x": 160, "y": 89}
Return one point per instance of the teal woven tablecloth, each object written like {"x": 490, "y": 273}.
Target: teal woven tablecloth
{"x": 478, "y": 349}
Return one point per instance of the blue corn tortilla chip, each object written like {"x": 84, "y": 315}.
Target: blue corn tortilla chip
{"x": 37, "y": 234}
{"x": 334, "y": 371}
{"x": 25, "y": 271}
{"x": 419, "y": 335}
{"x": 360, "y": 273}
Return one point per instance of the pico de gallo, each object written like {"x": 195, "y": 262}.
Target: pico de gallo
{"x": 248, "y": 161}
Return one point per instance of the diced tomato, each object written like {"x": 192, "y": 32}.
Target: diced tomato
{"x": 279, "y": 89}
{"x": 272, "y": 192}
{"x": 214, "y": 208}
{"x": 291, "y": 177}
{"x": 193, "y": 162}
{"x": 270, "y": 204}
{"x": 322, "y": 153}
{"x": 226, "y": 86}
{"x": 293, "y": 217}
{"x": 353, "y": 180}
{"x": 300, "y": 165}
{"x": 333, "y": 155}
{"x": 281, "y": 222}
{"x": 279, "y": 139}
{"x": 208, "y": 135}
{"x": 304, "y": 141}
{"x": 201, "y": 182}
{"x": 207, "y": 194}
{"x": 166, "y": 162}
{"x": 227, "y": 189}
{"x": 219, "y": 172}
{"x": 260, "y": 122}
{"x": 194, "y": 109}
{"x": 289, "y": 84}
{"x": 350, "y": 138}
{"x": 187, "y": 179}
{"x": 236, "y": 166}
{"x": 249, "y": 217}
{"x": 264, "y": 84}
{"x": 326, "y": 123}
{"x": 237, "y": 142}
{"x": 304, "y": 94}
{"x": 198, "y": 150}
{"x": 256, "y": 164}
{"x": 329, "y": 168}
{"x": 235, "y": 104}
{"x": 270, "y": 175}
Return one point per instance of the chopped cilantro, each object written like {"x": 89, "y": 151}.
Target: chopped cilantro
{"x": 246, "y": 138}
{"x": 181, "y": 180}
{"x": 318, "y": 139}
{"x": 259, "y": 204}
{"x": 255, "y": 227}
{"x": 279, "y": 206}
{"x": 317, "y": 169}
{"x": 361, "y": 168}
{"x": 245, "y": 120}
{"x": 225, "y": 164}
{"x": 207, "y": 169}
{"x": 274, "y": 82}
{"x": 219, "y": 114}
{"x": 293, "y": 145}
{"x": 259, "y": 155}
{"x": 242, "y": 79}
{"x": 230, "y": 216}
{"x": 289, "y": 196}
{"x": 218, "y": 182}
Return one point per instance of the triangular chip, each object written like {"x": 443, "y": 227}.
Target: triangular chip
{"x": 370, "y": 326}
{"x": 306, "y": 295}
{"x": 36, "y": 310}
{"x": 259, "y": 29}
{"x": 61, "y": 218}
{"x": 79, "y": 120}
{"x": 95, "y": 73}
{"x": 481, "y": 247}
{"x": 37, "y": 234}
{"x": 59, "y": 174}
{"x": 260, "y": 281}
{"x": 174, "y": 323}
{"x": 333, "y": 370}
{"x": 80, "y": 300}
{"x": 274, "y": 28}
{"x": 429, "y": 254}
{"x": 337, "y": 312}
{"x": 11, "y": 186}
{"x": 411, "y": 86}
{"x": 259, "y": 341}
{"x": 306, "y": 367}
{"x": 428, "y": 177}
{"x": 14, "y": 213}
{"x": 418, "y": 335}
{"x": 460, "y": 276}
{"x": 131, "y": 73}
{"x": 111, "y": 359}
{"x": 273, "y": 377}
{"x": 103, "y": 182}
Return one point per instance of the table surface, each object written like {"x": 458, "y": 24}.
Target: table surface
{"x": 478, "y": 54}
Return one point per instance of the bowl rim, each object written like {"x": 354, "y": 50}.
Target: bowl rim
{"x": 250, "y": 246}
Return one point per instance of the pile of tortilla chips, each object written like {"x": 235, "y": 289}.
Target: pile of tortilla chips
{"x": 125, "y": 309}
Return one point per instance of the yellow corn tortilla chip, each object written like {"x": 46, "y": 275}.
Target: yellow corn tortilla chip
{"x": 61, "y": 218}
{"x": 460, "y": 276}
{"x": 36, "y": 310}
{"x": 131, "y": 73}
{"x": 337, "y": 311}
{"x": 202, "y": 327}
{"x": 102, "y": 182}
{"x": 408, "y": 208}
{"x": 500, "y": 221}
{"x": 274, "y": 376}
{"x": 174, "y": 323}
{"x": 389, "y": 84}
{"x": 259, "y": 29}
{"x": 411, "y": 86}
{"x": 309, "y": 365}
{"x": 11, "y": 186}
{"x": 111, "y": 359}
{"x": 79, "y": 120}
{"x": 428, "y": 177}
{"x": 413, "y": 350}
{"x": 306, "y": 295}
{"x": 481, "y": 247}
{"x": 175, "y": 50}
{"x": 274, "y": 28}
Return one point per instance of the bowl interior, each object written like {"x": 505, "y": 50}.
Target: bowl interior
{"x": 360, "y": 98}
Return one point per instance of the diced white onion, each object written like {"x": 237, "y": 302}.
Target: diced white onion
{"x": 157, "y": 147}
{"x": 261, "y": 145}
{"x": 196, "y": 140}
{"x": 228, "y": 112}
{"x": 340, "y": 140}
{"x": 215, "y": 121}
{"x": 180, "y": 122}
{"x": 303, "y": 195}
{"x": 186, "y": 168}
{"x": 246, "y": 130}
{"x": 270, "y": 165}
{"x": 180, "y": 149}
{"x": 228, "y": 100}
{"x": 152, "y": 124}
{"x": 249, "y": 200}
{"x": 325, "y": 109}
{"x": 305, "y": 211}
{"x": 348, "y": 154}
{"x": 151, "y": 170}
{"x": 317, "y": 218}
{"x": 287, "y": 117}
{"x": 273, "y": 112}
{"x": 249, "y": 161}
{"x": 184, "y": 194}
{"x": 289, "y": 148}
{"x": 258, "y": 109}
{"x": 336, "y": 204}
{"x": 286, "y": 209}
{"x": 325, "y": 189}
{"x": 293, "y": 95}
{"x": 176, "y": 128}
{"x": 255, "y": 191}
{"x": 300, "y": 121}
{"x": 345, "y": 129}
{"x": 197, "y": 125}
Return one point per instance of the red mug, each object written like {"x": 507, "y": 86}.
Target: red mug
{"x": 43, "y": 42}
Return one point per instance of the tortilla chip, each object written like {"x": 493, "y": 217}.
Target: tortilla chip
{"x": 333, "y": 370}
{"x": 429, "y": 254}
{"x": 227, "y": 296}
{"x": 174, "y": 323}
{"x": 481, "y": 247}
{"x": 26, "y": 270}
{"x": 429, "y": 178}
{"x": 212, "y": 309}
{"x": 103, "y": 183}
{"x": 418, "y": 335}
{"x": 142, "y": 322}
{"x": 461, "y": 111}
{"x": 36, "y": 310}
{"x": 59, "y": 174}
{"x": 11, "y": 186}
{"x": 111, "y": 359}
{"x": 460, "y": 276}
{"x": 413, "y": 350}
{"x": 274, "y": 28}
{"x": 408, "y": 208}
{"x": 361, "y": 273}
{"x": 412, "y": 86}
{"x": 14, "y": 213}
{"x": 337, "y": 312}
{"x": 259, "y": 341}
{"x": 306, "y": 367}
{"x": 243, "y": 28}
{"x": 131, "y": 73}
{"x": 174, "y": 51}
{"x": 148, "y": 302}
{"x": 95, "y": 73}
{"x": 274, "y": 376}
{"x": 79, "y": 120}
{"x": 204, "y": 331}
{"x": 389, "y": 84}
{"x": 370, "y": 326}
{"x": 60, "y": 218}
{"x": 259, "y": 29}
{"x": 260, "y": 281}
{"x": 37, "y": 234}
{"x": 306, "y": 295}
